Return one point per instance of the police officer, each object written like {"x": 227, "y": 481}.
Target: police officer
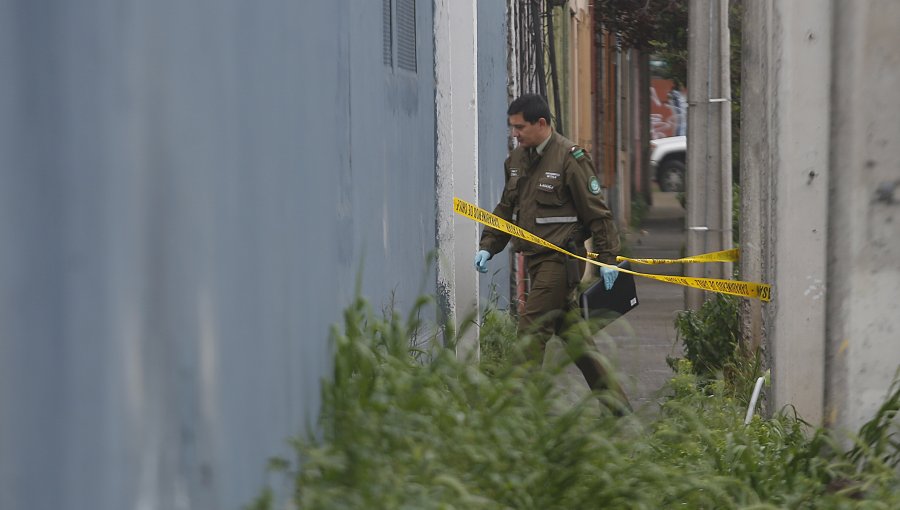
{"x": 551, "y": 191}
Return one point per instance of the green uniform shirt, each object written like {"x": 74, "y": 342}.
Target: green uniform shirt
{"x": 555, "y": 195}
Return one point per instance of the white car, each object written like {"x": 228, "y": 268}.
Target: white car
{"x": 667, "y": 162}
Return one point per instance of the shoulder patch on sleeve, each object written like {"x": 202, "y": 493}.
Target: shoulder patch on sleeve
{"x": 594, "y": 185}
{"x": 577, "y": 152}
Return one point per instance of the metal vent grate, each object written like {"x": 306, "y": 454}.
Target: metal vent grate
{"x": 387, "y": 35}
{"x": 406, "y": 34}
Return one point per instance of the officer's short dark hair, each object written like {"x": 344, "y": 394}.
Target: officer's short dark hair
{"x": 531, "y": 106}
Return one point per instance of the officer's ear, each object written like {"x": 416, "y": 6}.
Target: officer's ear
{"x": 542, "y": 122}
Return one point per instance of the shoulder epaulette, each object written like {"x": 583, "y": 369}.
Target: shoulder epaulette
{"x": 577, "y": 152}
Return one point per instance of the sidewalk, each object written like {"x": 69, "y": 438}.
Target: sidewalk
{"x": 650, "y": 335}
{"x": 639, "y": 342}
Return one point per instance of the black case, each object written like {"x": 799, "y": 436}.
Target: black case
{"x": 597, "y": 302}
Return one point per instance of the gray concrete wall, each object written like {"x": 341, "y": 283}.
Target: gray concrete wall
{"x": 493, "y": 134}
{"x": 819, "y": 178}
{"x": 864, "y": 217}
{"x": 186, "y": 193}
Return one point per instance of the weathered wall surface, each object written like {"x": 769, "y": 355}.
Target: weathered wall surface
{"x": 820, "y": 190}
{"x": 186, "y": 193}
{"x": 493, "y": 134}
{"x": 864, "y": 218}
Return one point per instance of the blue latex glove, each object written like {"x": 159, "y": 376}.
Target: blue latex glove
{"x": 609, "y": 276}
{"x": 481, "y": 259}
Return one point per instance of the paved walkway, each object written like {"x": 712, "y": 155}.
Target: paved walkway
{"x": 640, "y": 341}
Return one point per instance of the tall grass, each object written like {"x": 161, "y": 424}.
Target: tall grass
{"x": 399, "y": 430}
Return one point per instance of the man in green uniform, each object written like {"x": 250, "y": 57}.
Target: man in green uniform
{"x": 551, "y": 191}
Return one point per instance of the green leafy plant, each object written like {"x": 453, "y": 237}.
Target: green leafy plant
{"x": 711, "y": 340}
{"x": 878, "y": 439}
{"x": 418, "y": 428}
{"x": 710, "y": 334}
{"x": 682, "y": 199}
{"x": 639, "y": 210}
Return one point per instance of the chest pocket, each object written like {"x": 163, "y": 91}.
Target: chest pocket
{"x": 512, "y": 184}
{"x": 549, "y": 189}
{"x": 512, "y": 194}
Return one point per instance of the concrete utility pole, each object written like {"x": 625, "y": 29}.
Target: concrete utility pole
{"x": 708, "y": 219}
{"x": 788, "y": 53}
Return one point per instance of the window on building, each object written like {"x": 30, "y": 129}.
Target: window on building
{"x": 387, "y": 36}
{"x": 399, "y": 33}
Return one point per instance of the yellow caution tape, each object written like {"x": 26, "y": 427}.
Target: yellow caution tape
{"x": 751, "y": 290}
{"x": 731, "y": 255}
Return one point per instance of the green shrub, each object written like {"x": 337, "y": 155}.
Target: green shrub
{"x": 710, "y": 338}
{"x": 710, "y": 334}
{"x": 420, "y": 429}
{"x": 639, "y": 210}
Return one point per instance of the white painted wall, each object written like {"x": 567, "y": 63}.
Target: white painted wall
{"x": 456, "y": 103}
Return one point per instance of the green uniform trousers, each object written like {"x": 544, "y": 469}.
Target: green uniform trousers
{"x": 551, "y": 308}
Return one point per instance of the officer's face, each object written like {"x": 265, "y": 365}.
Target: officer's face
{"x": 528, "y": 134}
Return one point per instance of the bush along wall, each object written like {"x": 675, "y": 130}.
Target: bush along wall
{"x": 710, "y": 339}
{"x": 404, "y": 428}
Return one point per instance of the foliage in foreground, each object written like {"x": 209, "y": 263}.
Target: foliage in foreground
{"x": 414, "y": 430}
